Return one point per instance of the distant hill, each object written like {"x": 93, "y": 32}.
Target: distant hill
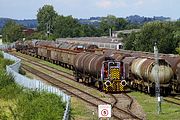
{"x": 94, "y": 21}
{"x": 136, "y": 19}
{"x": 30, "y": 23}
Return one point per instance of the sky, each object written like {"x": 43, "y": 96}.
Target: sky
{"x": 27, "y": 9}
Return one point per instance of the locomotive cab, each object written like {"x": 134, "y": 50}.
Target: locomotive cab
{"x": 112, "y": 76}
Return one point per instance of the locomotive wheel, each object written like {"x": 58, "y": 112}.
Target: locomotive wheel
{"x": 167, "y": 91}
{"x": 177, "y": 88}
{"x": 77, "y": 79}
{"x": 133, "y": 85}
{"x": 152, "y": 90}
{"x": 145, "y": 89}
{"x": 140, "y": 87}
{"x": 93, "y": 81}
{"x": 100, "y": 86}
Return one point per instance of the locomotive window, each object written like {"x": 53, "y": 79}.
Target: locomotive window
{"x": 80, "y": 46}
{"x": 120, "y": 47}
{"x": 101, "y": 45}
{"x": 107, "y": 45}
{"x": 113, "y": 64}
{"x": 112, "y": 46}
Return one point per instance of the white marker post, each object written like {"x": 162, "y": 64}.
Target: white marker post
{"x": 104, "y": 111}
{"x": 157, "y": 87}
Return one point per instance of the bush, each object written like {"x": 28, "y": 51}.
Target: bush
{"x": 11, "y": 91}
{"x": 35, "y": 106}
{"x": 1, "y": 55}
{"x": 22, "y": 72}
{"x": 5, "y": 62}
{"x": 3, "y": 116}
{"x": 29, "y": 105}
{"x": 5, "y": 79}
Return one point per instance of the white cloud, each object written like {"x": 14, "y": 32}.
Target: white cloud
{"x": 139, "y": 2}
{"x": 111, "y": 3}
{"x": 104, "y": 4}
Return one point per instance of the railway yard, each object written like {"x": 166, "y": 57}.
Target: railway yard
{"x": 121, "y": 103}
{"x": 95, "y": 76}
{"x": 90, "y": 60}
{"x": 125, "y": 105}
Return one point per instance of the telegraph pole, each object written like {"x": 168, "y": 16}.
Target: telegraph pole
{"x": 48, "y": 28}
{"x": 157, "y": 87}
{"x": 110, "y": 32}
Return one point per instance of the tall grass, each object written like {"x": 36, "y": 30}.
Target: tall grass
{"x": 149, "y": 105}
{"x": 27, "y": 104}
{"x": 1, "y": 54}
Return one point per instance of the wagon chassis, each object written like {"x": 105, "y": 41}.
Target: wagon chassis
{"x": 93, "y": 100}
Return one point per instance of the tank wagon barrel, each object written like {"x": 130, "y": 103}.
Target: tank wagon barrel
{"x": 144, "y": 69}
{"x": 89, "y": 62}
{"x": 177, "y": 83}
{"x": 110, "y": 68}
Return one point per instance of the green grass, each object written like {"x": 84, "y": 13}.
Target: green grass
{"x": 1, "y": 54}
{"x": 46, "y": 63}
{"x": 56, "y": 66}
{"x": 5, "y": 112}
{"x": 92, "y": 91}
{"x": 19, "y": 103}
{"x": 79, "y": 111}
{"x": 149, "y": 105}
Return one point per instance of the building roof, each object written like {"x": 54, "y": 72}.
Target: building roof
{"x": 127, "y": 31}
{"x": 92, "y": 39}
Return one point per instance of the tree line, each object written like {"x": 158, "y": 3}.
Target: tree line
{"x": 165, "y": 34}
{"x": 51, "y": 25}
{"x": 67, "y": 26}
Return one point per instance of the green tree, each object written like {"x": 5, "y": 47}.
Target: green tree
{"x": 46, "y": 17}
{"x": 37, "y": 35}
{"x": 107, "y": 23}
{"x": 12, "y": 32}
{"x": 66, "y": 27}
{"x": 129, "y": 41}
{"x": 113, "y": 23}
{"x": 163, "y": 33}
{"x": 89, "y": 31}
{"x": 121, "y": 24}
{"x": 177, "y": 35}
{"x": 178, "y": 49}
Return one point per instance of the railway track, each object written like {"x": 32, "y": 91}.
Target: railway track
{"x": 36, "y": 61}
{"x": 95, "y": 101}
{"x": 118, "y": 113}
{"x": 172, "y": 100}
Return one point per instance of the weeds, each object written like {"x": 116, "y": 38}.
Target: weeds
{"x": 27, "y": 104}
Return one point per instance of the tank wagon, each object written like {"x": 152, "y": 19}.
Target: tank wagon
{"x": 19, "y": 45}
{"x": 109, "y": 70}
{"x": 87, "y": 63}
{"x": 176, "y": 82}
{"x": 100, "y": 70}
{"x": 140, "y": 73}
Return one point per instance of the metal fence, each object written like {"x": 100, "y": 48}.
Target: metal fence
{"x": 35, "y": 84}
{"x": 7, "y": 46}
